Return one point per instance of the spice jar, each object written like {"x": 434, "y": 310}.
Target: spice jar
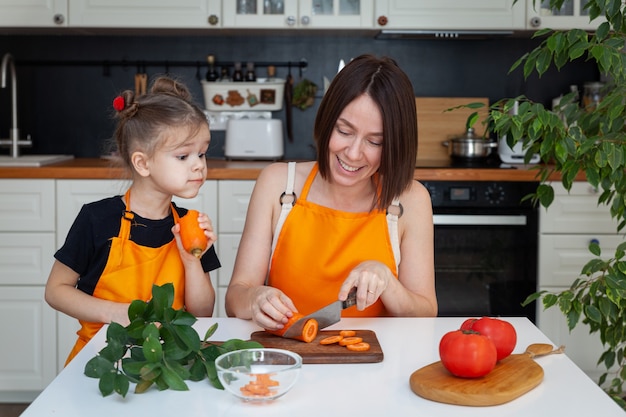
{"x": 593, "y": 93}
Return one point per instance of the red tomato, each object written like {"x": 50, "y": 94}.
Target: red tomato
{"x": 501, "y": 332}
{"x": 467, "y": 354}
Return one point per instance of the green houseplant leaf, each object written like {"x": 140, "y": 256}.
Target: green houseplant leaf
{"x": 158, "y": 348}
{"x": 570, "y": 140}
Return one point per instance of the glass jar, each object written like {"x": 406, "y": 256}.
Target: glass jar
{"x": 593, "y": 93}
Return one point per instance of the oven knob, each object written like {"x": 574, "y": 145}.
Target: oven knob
{"x": 494, "y": 194}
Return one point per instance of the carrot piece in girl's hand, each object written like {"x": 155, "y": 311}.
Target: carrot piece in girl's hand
{"x": 192, "y": 235}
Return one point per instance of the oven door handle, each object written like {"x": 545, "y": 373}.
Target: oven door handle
{"x": 478, "y": 220}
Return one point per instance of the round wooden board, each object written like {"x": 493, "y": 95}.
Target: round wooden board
{"x": 511, "y": 378}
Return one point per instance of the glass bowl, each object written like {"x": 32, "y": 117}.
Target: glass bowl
{"x": 258, "y": 374}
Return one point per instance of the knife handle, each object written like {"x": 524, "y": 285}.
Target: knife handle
{"x": 351, "y": 300}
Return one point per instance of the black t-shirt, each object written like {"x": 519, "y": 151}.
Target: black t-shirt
{"x": 87, "y": 245}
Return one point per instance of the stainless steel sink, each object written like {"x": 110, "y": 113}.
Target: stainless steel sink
{"x": 32, "y": 160}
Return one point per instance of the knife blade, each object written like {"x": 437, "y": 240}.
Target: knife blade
{"x": 325, "y": 316}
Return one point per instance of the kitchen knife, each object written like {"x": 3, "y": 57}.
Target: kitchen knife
{"x": 325, "y": 316}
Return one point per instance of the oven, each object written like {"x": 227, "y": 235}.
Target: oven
{"x": 485, "y": 241}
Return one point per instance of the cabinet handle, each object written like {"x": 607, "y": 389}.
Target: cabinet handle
{"x": 382, "y": 20}
{"x": 535, "y": 21}
{"x": 59, "y": 19}
{"x": 213, "y": 20}
{"x": 305, "y": 20}
{"x": 291, "y": 21}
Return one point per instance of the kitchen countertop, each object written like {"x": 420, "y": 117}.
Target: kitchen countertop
{"x": 370, "y": 389}
{"x": 100, "y": 168}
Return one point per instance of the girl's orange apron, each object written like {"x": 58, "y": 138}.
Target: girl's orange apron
{"x": 318, "y": 247}
{"x": 131, "y": 271}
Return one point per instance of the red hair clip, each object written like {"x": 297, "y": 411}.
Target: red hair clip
{"x": 118, "y": 103}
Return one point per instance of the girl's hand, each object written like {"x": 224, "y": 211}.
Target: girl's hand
{"x": 205, "y": 223}
{"x": 370, "y": 278}
{"x": 270, "y": 308}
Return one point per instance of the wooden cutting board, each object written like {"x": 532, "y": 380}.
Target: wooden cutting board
{"x": 512, "y": 377}
{"x": 436, "y": 125}
{"x": 315, "y": 353}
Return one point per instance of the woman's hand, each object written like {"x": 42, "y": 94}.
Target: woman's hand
{"x": 371, "y": 279}
{"x": 270, "y": 307}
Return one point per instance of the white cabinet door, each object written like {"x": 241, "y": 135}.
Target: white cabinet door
{"x": 580, "y": 346}
{"x": 303, "y": 14}
{"x": 337, "y": 14}
{"x": 563, "y": 256}
{"x": 27, "y": 205}
{"x": 264, "y": 14}
{"x": 566, "y": 228}
{"x": 26, "y": 258}
{"x": 28, "y": 349}
{"x": 571, "y": 15}
{"x": 450, "y": 14}
{"x": 576, "y": 211}
{"x": 179, "y": 14}
{"x": 234, "y": 197}
{"x": 33, "y": 13}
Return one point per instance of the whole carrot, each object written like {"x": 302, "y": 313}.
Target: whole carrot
{"x": 192, "y": 235}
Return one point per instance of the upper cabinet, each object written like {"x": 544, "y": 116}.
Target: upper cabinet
{"x": 450, "y": 14}
{"x": 298, "y": 14}
{"x": 33, "y": 13}
{"x": 168, "y": 14}
{"x": 571, "y": 15}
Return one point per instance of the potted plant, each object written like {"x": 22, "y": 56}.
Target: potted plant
{"x": 574, "y": 140}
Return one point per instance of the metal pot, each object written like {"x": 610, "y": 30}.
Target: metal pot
{"x": 470, "y": 147}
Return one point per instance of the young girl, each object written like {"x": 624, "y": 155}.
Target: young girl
{"x": 119, "y": 247}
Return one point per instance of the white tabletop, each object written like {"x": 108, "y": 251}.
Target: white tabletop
{"x": 378, "y": 389}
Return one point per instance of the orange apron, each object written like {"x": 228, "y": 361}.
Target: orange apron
{"x": 131, "y": 271}
{"x": 318, "y": 247}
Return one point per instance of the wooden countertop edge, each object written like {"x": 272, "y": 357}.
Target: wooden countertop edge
{"x": 96, "y": 168}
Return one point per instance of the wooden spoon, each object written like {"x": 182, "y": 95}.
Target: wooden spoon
{"x": 543, "y": 349}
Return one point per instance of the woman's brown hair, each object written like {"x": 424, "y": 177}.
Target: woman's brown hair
{"x": 390, "y": 88}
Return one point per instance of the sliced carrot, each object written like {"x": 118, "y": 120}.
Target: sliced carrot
{"x": 260, "y": 387}
{"x": 359, "y": 347}
{"x": 309, "y": 330}
{"x": 350, "y": 340}
{"x": 331, "y": 339}
{"x": 347, "y": 333}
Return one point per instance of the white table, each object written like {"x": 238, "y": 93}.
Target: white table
{"x": 378, "y": 389}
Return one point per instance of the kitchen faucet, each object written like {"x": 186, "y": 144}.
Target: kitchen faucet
{"x": 14, "y": 136}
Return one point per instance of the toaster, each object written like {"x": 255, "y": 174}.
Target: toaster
{"x": 254, "y": 139}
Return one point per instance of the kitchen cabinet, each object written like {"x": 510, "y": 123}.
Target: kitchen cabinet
{"x": 33, "y": 13}
{"x": 27, "y": 323}
{"x": 571, "y": 15}
{"x": 439, "y": 15}
{"x": 170, "y": 14}
{"x": 304, "y": 14}
{"x": 233, "y": 198}
{"x": 566, "y": 228}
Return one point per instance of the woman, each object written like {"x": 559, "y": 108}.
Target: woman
{"x": 315, "y": 230}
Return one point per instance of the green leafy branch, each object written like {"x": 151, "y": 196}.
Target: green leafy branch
{"x": 159, "y": 347}
{"x": 572, "y": 139}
